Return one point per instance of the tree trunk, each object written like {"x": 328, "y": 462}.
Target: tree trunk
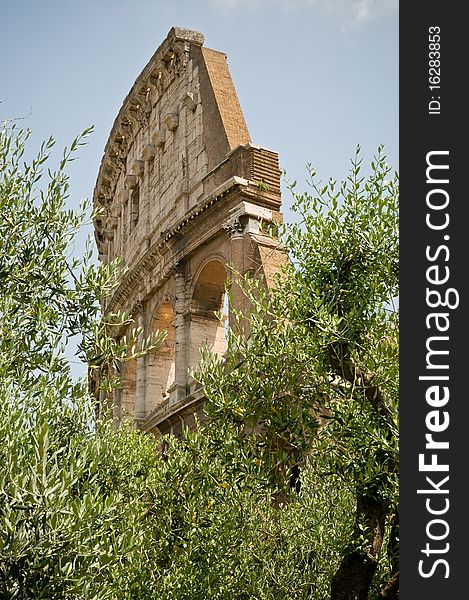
{"x": 353, "y": 578}
{"x": 391, "y": 590}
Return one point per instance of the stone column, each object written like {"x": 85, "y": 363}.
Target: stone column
{"x": 140, "y": 400}
{"x": 180, "y": 380}
{"x": 235, "y": 231}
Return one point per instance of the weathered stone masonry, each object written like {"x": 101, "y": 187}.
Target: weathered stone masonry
{"x": 183, "y": 193}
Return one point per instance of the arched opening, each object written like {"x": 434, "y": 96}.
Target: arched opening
{"x": 161, "y": 363}
{"x": 134, "y": 206}
{"x": 209, "y": 300}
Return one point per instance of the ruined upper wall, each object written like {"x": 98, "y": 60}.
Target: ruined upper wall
{"x": 179, "y": 122}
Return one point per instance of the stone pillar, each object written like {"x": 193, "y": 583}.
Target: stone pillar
{"x": 140, "y": 400}
{"x": 235, "y": 231}
{"x": 180, "y": 381}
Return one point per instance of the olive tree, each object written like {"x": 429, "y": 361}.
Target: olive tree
{"x": 315, "y": 384}
{"x": 62, "y": 533}
{"x": 289, "y": 490}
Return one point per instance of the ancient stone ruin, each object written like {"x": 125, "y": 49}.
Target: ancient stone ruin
{"x": 185, "y": 195}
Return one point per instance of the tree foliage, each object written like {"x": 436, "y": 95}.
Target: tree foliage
{"x": 61, "y": 530}
{"x": 289, "y": 490}
{"x": 317, "y": 379}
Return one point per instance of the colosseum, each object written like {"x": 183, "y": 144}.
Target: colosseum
{"x": 185, "y": 197}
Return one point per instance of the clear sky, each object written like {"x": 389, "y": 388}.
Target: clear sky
{"x": 314, "y": 77}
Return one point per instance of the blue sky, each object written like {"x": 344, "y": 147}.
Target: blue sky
{"x": 314, "y": 77}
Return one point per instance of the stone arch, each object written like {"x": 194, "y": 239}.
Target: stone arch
{"x": 161, "y": 364}
{"x": 208, "y": 298}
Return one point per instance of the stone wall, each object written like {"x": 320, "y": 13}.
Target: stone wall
{"x": 183, "y": 193}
